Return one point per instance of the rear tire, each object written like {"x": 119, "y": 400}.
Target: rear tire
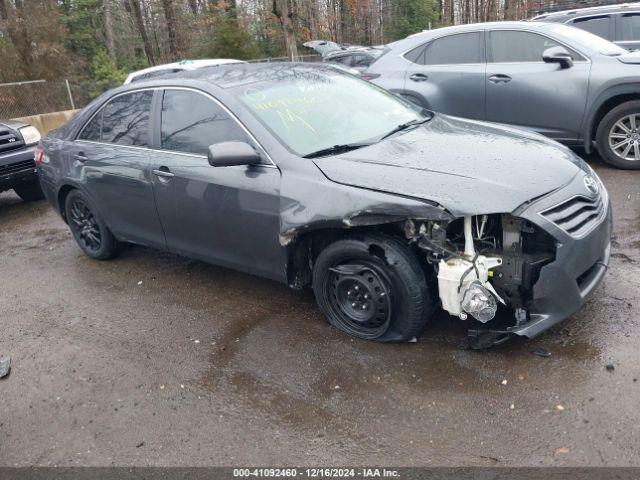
{"x": 89, "y": 230}
{"x": 372, "y": 287}
{"x": 619, "y": 128}
{"x": 29, "y": 192}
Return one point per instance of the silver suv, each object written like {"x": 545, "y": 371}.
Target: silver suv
{"x": 617, "y": 23}
{"x": 563, "y": 82}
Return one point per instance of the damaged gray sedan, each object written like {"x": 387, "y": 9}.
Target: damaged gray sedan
{"x": 312, "y": 177}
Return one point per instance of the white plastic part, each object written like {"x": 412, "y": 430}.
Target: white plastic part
{"x": 456, "y": 274}
{"x": 451, "y": 275}
{"x": 469, "y": 251}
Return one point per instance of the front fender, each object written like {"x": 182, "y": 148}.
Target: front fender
{"x": 628, "y": 88}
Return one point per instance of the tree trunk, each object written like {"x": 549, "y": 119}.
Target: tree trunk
{"x": 3, "y": 10}
{"x": 20, "y": 38}
{"x": 137, "y": 13}
{"x": 193, "y": 6}
{"x": 108, "y": 30}
{"x": 174, "y": 41}
{"x": 284, "y": 14}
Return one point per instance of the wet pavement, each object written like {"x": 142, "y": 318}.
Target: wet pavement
{"x": 153, "y": 359}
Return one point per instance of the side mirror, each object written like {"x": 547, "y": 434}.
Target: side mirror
{"x": 558, "y": 55}
{"x": 229, "y": 154}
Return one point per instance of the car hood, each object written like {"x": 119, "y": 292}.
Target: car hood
{"x": 12, "y": 124}
{"x": 466, "y": 166}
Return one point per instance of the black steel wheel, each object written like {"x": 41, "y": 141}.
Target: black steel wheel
{"x": 360, "y": 297}
{"x": 372, "y": 288}
{"x": 88, "y": 229}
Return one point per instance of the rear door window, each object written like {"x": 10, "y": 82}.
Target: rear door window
{"x": 601, "y": 25}
{"x": 125, "y": 119}
{"x": 191, "y": 122}
{"x": 511, "y": 46}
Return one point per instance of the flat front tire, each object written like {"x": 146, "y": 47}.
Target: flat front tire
{"x": 618, "y": 136}
{"x": 372, "y": 287}
{"x": 89, "y": 230}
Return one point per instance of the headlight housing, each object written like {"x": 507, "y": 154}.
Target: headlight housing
{"x": 30, "y": 135}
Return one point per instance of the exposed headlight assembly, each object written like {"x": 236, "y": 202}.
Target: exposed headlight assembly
{"x": 30, "y": 135}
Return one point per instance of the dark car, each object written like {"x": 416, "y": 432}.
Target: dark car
{"x": 619, "y": 24}
{"x": 563, "y": 82}
{"x": 309, "y": 176}
{"x": 357, "y": 58}
{"x": 17, "y": 164}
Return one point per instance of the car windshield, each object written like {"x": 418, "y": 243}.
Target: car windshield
{"x": 313, "y": 110}
{"x": 589, "y": 40}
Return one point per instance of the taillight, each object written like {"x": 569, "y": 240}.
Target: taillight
{"x": 369, "y": 76}
{"x": 38, "y": 153}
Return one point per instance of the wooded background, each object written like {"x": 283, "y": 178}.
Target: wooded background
{"x": 101, "y": 40}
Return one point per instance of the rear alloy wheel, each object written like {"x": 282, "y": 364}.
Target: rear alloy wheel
{"x": 88, "y": 229}
{"x": 29, "y": 192}
{"x": 373, "y": 288}
{"x": 618, "y": 136}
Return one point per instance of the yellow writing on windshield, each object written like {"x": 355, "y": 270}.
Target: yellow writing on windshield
{"x": 285, "y": 102}
{"x": 289, "y": 117}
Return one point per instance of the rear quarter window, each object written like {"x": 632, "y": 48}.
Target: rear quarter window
{"x": 461, "y": 48}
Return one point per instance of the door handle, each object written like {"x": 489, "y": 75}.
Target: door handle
{"x": 500, "y": 77}
{"x": 419, "y": 77}
{"x": 163, "y": 172}
{"x": 81, "y": 157}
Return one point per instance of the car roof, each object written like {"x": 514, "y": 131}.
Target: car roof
{"x": 183, "y": 65}
{"x": 477, "y": 26}
{"x": 13, "y": 124}
{"x": 238, "y": 74}
{"x": 621, "y": 7}
{"x": 436, "y": 32}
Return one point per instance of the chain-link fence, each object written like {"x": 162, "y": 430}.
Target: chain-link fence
{"x": 20, "y": 99}
{"x": 35, "y": 97}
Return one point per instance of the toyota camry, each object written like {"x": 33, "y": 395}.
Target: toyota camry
{"x": 309, "y": 176}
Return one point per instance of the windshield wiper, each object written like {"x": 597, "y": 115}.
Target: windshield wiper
{"x": 347, "y": 147}
{"x": 404, "y": 126}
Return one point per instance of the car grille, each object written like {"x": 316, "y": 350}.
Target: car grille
{"x": 578, "y": 215}
{"x": 16, "y": 167}
{"x": 9, "y": 140}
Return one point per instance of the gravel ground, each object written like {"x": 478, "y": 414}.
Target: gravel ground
{"x": 153, "y": 359}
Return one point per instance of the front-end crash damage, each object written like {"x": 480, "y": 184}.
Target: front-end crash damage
{"x": 484, "y": 261}
{"x": 482, "y": 267}
{"x": 516, "y": 270}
